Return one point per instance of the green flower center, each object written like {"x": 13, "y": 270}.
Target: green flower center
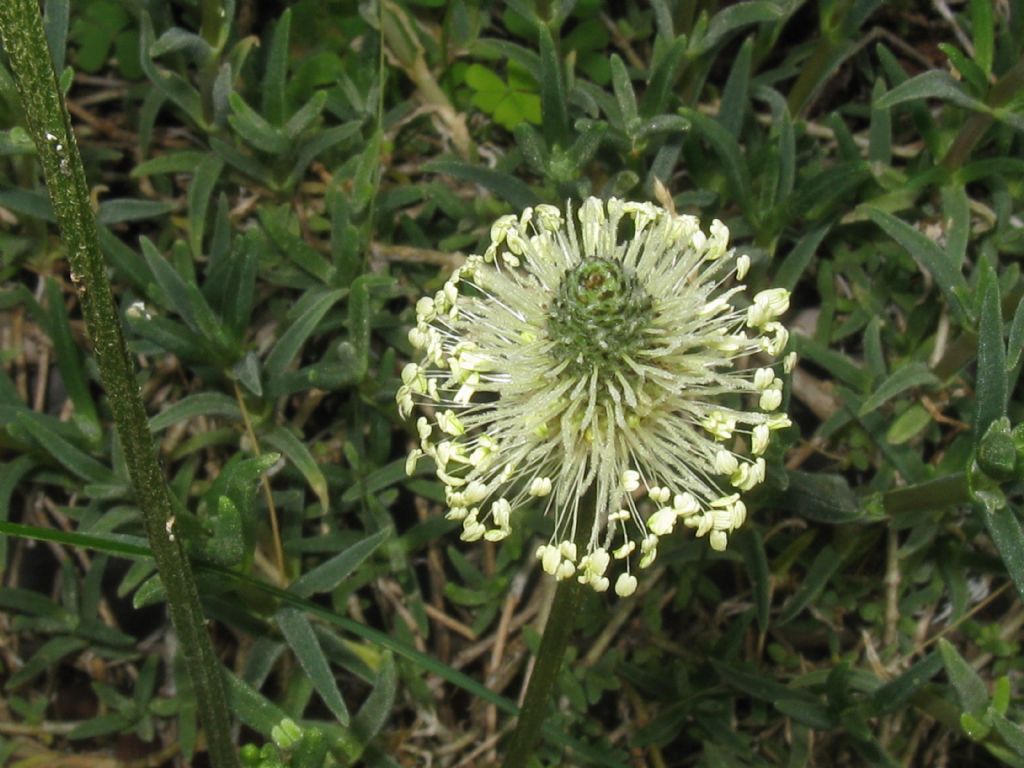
{"x": 599, "y": 315}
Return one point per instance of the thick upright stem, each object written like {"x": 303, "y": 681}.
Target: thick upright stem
{"x": 21, "y": 30}
{"x": 557, "y": 632}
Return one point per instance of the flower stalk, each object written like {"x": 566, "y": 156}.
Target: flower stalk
{"x": 557, "y": 633}
{"x": 553, "y": 643}
{"x": 49, "y": 124}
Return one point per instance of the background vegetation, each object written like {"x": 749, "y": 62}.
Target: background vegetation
{"x": 277, "y": 184}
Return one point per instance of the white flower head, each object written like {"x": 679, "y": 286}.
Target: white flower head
{"x": 582, "y": 364}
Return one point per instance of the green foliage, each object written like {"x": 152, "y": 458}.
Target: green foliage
{"x": 275, "y": 192}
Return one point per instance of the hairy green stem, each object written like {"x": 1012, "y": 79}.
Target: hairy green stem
{"x": 557, "y": 632}
{"x": 21, "y": 31}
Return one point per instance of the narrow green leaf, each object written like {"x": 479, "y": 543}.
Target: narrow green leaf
{"x": 970, "y": 688}
{"x": 302, "y": 640}
{"x": 47, "y": 657}
{"x": 172, "y": 86}
{"x": 252, "y": 707}
{"x": 183, "y": 297}
{"x": 933, "y": 84}
{"x": 305, "y": 116}
{"x": 663, "y": 21}
{"x": 230, "y": 277}
{"x": 182, "y": 161}
{"x": 1010, "y": 732}
{"x": 586, "y": 145}
{"x": 11, "y": 473}
{"x": 69, "y": 361}
{"x": 254, "y": 129}
{"x": 908, "y": 424}
{"x": 874, "y": 355}
{"x": 983, "y": 33}
{"x": 55, "y": 22}
{"x": 289, "y": 345}
{"x": 923, "y": 120}
{"x": 798, "y": 259}
{"x": 622, "y": 86}
{"x": 178, "y": 40}
{"x": 293, "y": 449}
{"x": 929, "y": 257}
{"x": 102, "y": 725}
{"x": 150, "y": 592}
{"x": 276, "y": 74}
{"x": 880, "y": 130}
{"x": 377, "y": 708}
{"x": 321, "y": 141}
{"x": 737, "y": 90}
{"x": 836, "y": 363}
{"x": 173, "y": 337}
{"x": 120, "y": 210}
{"x": 662, "y": 124}
{"x": 725, "y": 146}
{"x": 894, "y": 694}
{"x": 1015, "y": 343}
{"x": 199, "y": 404}
{"x": 32, "y": 603}
{"x": 152, "y": 102}
{"x": 825, "y": 565}
{"x": 502, "y": 185}
{"x": 243, "y": 163}
{"x": 120, "y": 545}
{"x": 376, "y": 481}
{"x": 328, "y": 575}
{"x": 1008, "y": 535}
{"x": 813, "y": 714}
{"x": 29, "y": 203}
{"x": 835, "y": 186}
{"x": 301, "y": 253}
{"x": 359, "y": 318}
{"x": 554, "y": 104}
{"x": 220, "y": 93}
{"x": 786, "y": 143}
{"x": 366, "y": 179}
{"x": 203, "y": 179}
{"x": 126, "y": 262}
{"x": 787, "y": 152}
{"x": 990, "y": 388}
{"x": 759, "y": 686}
{"x": 733, "y": 18}
{"x": 911, "y": 375}
{"x": 957, "y": 213}
{"x": 73, "y": 459}
{"x": 970, "y": 73}
{"x": 752, "y": 547}
{"x": 662, "y": 78}
{"x": 532, "y": 147}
